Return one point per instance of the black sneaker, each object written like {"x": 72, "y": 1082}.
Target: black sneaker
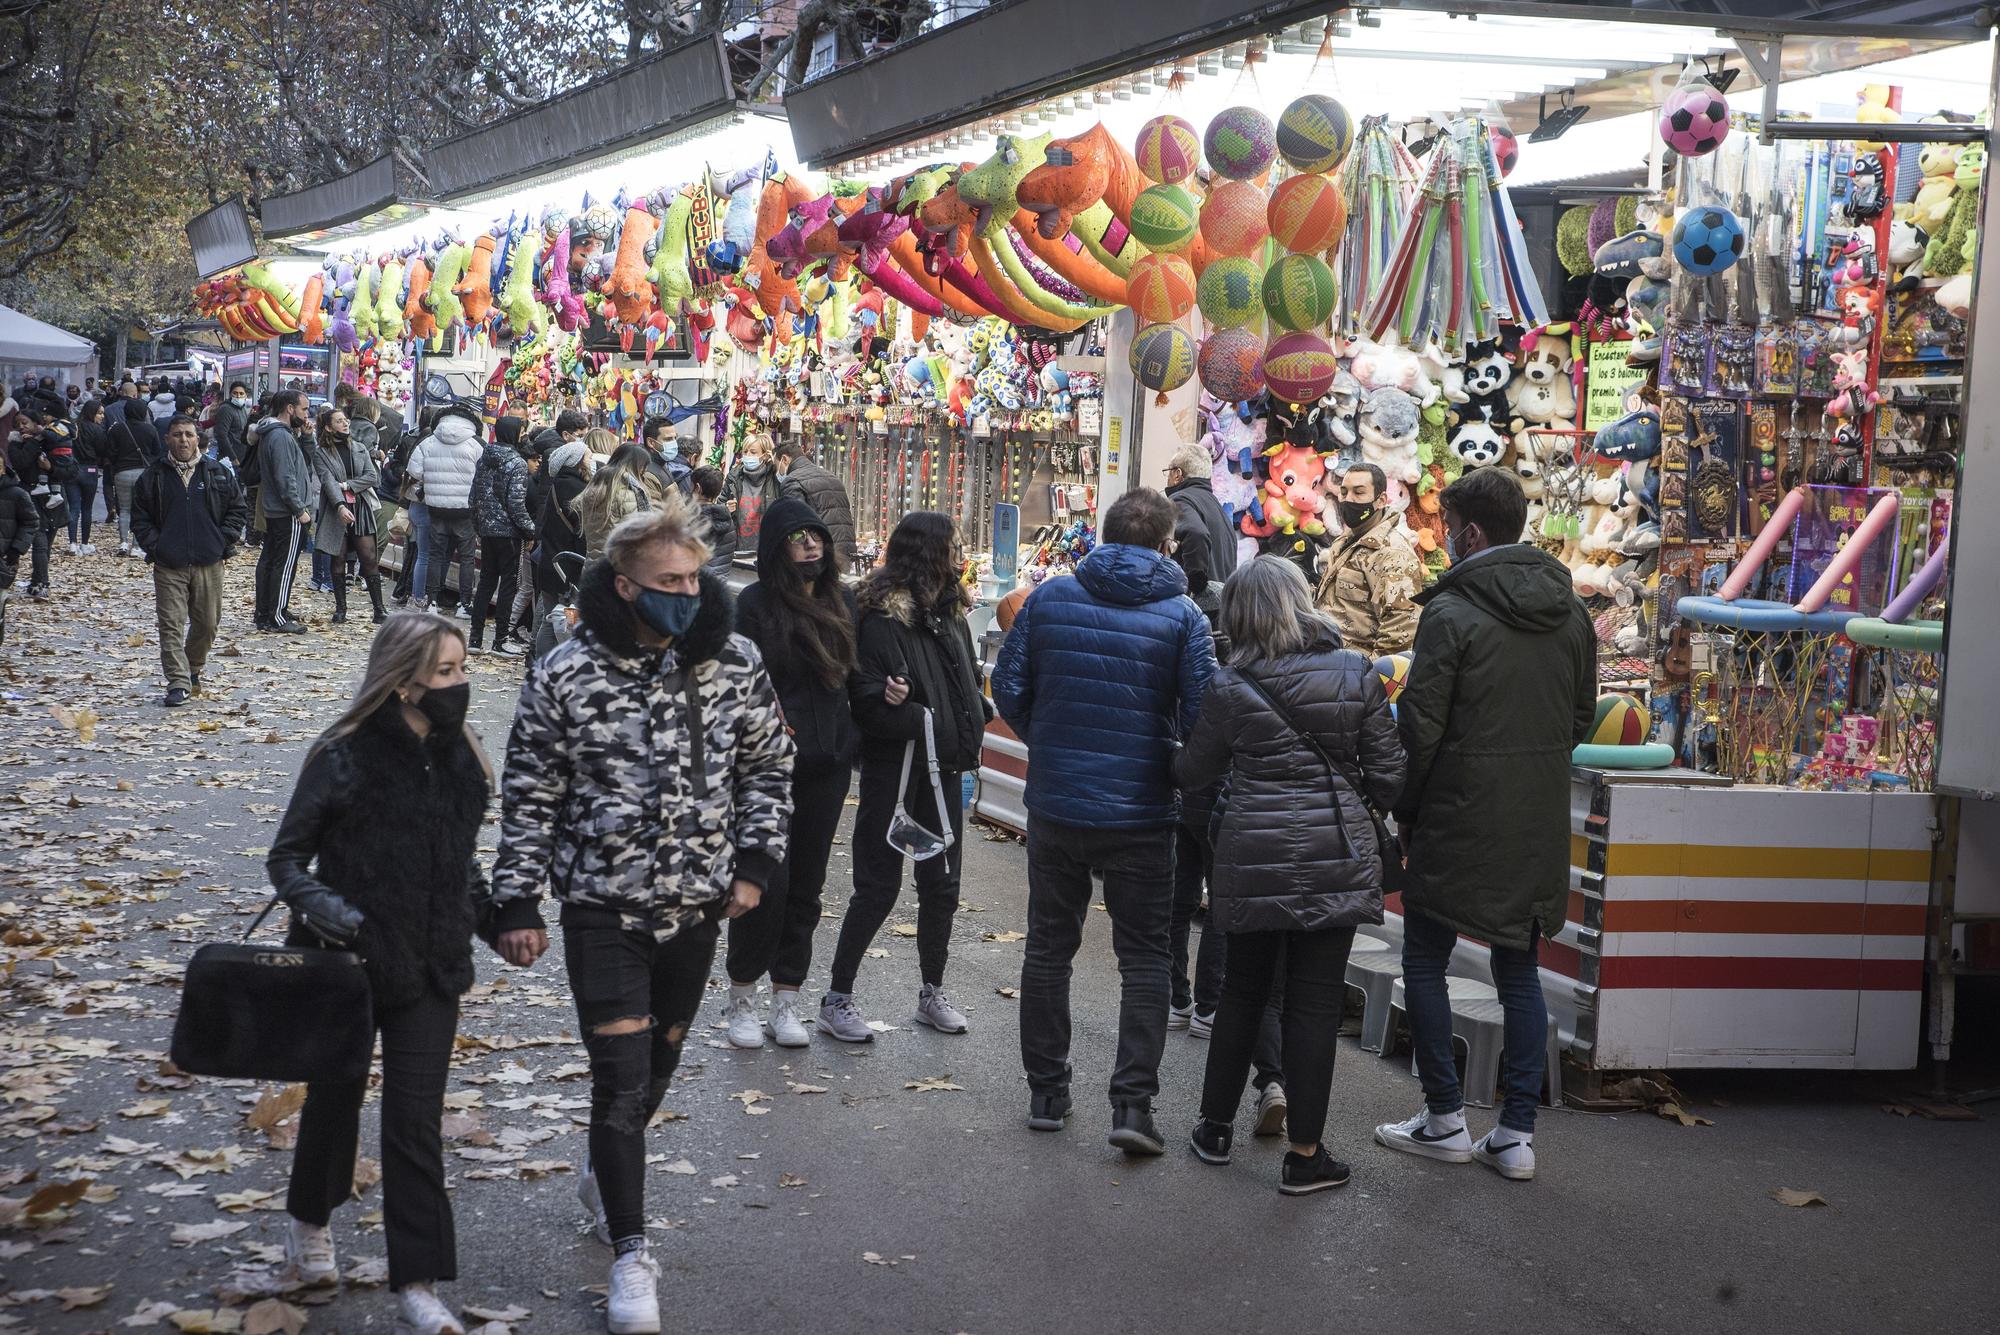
{"x": 1301, "y": 1176}
{"x": 288, "y": 627}
{"x": 1210, "y": 1141}
{"x": 1048, "y": 1112}
{"x": 1132, "y": 1130}
{"x": 176, "y": 697}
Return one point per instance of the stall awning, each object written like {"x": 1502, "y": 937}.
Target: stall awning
{"x": 676, "y": 89}
{"x": 366, "y": 193}
{"x": 26, "y": 341}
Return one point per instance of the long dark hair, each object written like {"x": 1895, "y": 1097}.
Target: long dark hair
{"x": 920, "y": 559}
{"x": 813, "y": 620}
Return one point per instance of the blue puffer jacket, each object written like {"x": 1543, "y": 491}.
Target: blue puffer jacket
{"x": 1100, "y": 676}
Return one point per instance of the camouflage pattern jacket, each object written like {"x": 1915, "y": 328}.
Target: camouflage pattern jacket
{"x": 1367, "y": 586}
{"x": 643, "y": 782}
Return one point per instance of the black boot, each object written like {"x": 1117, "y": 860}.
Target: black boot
{"x": 375, "y": 598}
{"x": 340, "y": 599}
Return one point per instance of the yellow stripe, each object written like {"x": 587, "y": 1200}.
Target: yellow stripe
{"x": 1738, "y": 862}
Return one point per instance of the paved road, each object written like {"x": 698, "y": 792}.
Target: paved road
{"x": 119, "y": 854}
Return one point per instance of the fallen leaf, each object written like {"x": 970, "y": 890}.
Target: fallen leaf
{"x": 750, "y": 1097}
{"x": 149, "y": 1314}
{"x": 1004, "y": 936}
{"x": 536, "y": 1169}
{"x": 798, "y": 1088}
{"x": 74, "y": 1299}
{"x": 790, "y": 1180}
{"x": 188, "y": 1234}
{"x": 1673, "y": 1112}
{"x": 934, "y": 1084}
{"x": 207, "y": 1321}
{"x": 1793, "y": 1196}
{"x": 726, "y": 1180}
{"x": 274, "y": 1316}
{"x": 146, "y": 1108}
{"x": 236, "y": 1202}
{"x": 367, "y": 1172}
{"x": 876, "y": 1258}
{"x": 903, "y": 929}
{"x": 681, "y": 1166}
{"x": 515, "y": 1313}
{"x": 59, "y": 1196}
{"x": 369, "y": 1271}
{"x": 274, "y": 1107}
{"x": 1011, "y": 993}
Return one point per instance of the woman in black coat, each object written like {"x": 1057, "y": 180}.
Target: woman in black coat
{"x": 93, "y": 450}
{"x": 389, "y": 804}
{"x": 1302, "y": 730}
{"x": 914, "y": 658}
{"x": 801, "y": 618}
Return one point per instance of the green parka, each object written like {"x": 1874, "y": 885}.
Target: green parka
{"x": 1503, "y": 683}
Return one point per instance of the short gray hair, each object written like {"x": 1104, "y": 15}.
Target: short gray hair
{"x": 1268, "y": 612}
{"x": 672, "y": 521}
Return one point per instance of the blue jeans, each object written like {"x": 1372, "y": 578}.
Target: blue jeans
{"x": 1427, "y": 947}
{"x": 81, "y": 496}
{"x": 419, "y": 542}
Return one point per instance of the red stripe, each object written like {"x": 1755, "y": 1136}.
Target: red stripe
{"x": 998, "y": 727}
{"x": 1003, "y": 764}
{"x": 1761, "y": 973}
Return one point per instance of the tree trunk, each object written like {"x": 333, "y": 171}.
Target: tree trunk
{"x": 118, "y": 358}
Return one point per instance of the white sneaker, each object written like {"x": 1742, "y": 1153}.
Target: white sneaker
{"x": 788, "y": 1027}
{"x": 1271, "y": 1109}
{"x": 1201, "y": 1024}
{"x": 1178, "y": 1016}
{"x": 593, "y": 1201}
{"x": 1428, "y": 1136}
{"x": 1511, "y": 1158}
{"x": 309, "y": 1255}
{"x": 90, "y": 549}
{"x": 124, "y": 549}
{"x": 840, "y": 1018}
{"x": 418, "y": 1312}
{"x": 745, "y": 1029}
{"x": 634, "y": 1306}
{"x": 934, "y": 1008}
{"x": 76, "y": 549}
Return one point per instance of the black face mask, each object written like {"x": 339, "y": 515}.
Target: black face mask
{"x": 1353, "y": 514}
{"x": 445, "y": 706}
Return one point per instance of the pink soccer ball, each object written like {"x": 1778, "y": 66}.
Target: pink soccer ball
{"x": 1694, "y": 120}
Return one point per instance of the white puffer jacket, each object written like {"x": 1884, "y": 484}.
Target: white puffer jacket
{"x": 445, "y": 463}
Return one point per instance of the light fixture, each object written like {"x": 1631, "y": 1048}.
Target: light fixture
{"x": 1296, "y": 41}
{"x": 1558, "y": 123}
{"x": 1232, "y": 55}
{"x": 1208, "y": 63}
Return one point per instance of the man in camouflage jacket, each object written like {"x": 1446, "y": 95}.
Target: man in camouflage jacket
{"x": 648, "y": 783}
{"x": 1371, "y": 573}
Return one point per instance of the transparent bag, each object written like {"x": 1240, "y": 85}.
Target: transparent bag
{"x": 906, "y": 835}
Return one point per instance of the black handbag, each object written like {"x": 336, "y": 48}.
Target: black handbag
{"x": 1385, "y": 842}
{"x": 290, "y": 1013}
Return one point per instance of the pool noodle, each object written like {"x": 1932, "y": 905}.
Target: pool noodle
{"x": 1847, "y": 558}
{"x": 1766, "y": 542}
{"x": 1919, "y": 587}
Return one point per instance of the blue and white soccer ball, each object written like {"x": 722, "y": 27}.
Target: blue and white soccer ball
{"x": 1707, "y": 240}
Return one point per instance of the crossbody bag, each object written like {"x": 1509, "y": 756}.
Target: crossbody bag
{"x": 1385, "y": 842}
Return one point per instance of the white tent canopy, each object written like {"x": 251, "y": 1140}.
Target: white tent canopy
{"x": 25, "y": 341}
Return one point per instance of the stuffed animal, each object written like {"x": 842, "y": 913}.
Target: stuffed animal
{"x": 1478, "y": 437}
{"x": 1945, "y": 255}
{"x": 1390, "y": 420}
{"x": 389, "y": 301}
{"x": 312, "y": 317}
{"x": 362, "y": 310}
{"x": 1543, "y": 394}
{"x": 416, "y": 307}
{"x": 629, "y": 290}
{"x": 1293, "y": 496}
{"x": 1875, "y": 110}
{"x": 475, "y": 289}
{"x": 442, "y": 299}
{"x": 1932, "y": 203}
{"x": 1392, "y": 366}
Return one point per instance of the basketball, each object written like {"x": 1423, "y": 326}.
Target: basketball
{"x": 1394, "y": 670}
{"x": 1314, "y": 133}
{"x": 1168, "y": 150}
{"x": 1300, "y": 292}
{"x": 1164, "y": 217}
{"x": 1307, "y": 214}
{"x": 1231, "y": 364}
{"x": 1161, "y": 289}
{"x": 1233, "y": 218}
{"x": 1240, "y": 142}
{"x": 1162, "y": 357}
{"x": 1620, "y": 721}
{"x": 1300, "y": 367}
{"x": 1229, "y": 290}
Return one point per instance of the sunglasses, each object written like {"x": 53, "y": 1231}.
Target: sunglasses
{"x": 801, "y": 537}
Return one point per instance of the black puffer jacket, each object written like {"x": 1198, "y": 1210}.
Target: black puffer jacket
{"x": 1207, "y": 545}
{"x": 500, "y": 494}
{"x": 821, "y": 720}
{"x": 558, "y": 528}
{"x": 394, "y": 822}
{"x": 933, "y": 651}
{"x": 807, "y": 481}
{"x": 1281, "y": 862}
{"x": 19, "y": 521}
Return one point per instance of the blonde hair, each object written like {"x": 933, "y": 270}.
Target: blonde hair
{"x": 673, "y": 522}
{"x": 404, "y": 652}
{"x": 600, "y": 441}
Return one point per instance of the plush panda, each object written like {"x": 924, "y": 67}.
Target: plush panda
{"x": 1487, "y": 369}
{"x": 1478, "y": 439}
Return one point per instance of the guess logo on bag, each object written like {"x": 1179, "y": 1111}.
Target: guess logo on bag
{"x": 276, "y": 959}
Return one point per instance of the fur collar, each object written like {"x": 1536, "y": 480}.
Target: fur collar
{"x": 895, "y": 601}
{"x": 609, "y": 618}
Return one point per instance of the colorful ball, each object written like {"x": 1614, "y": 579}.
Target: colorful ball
{"x": 1707, "y": 240}
{"x": 1694, "y": 119}
{"x": 1506, "y": 149}
{"x": 1162, "y": 357}
{"x": 1168, "y": 150}
{"x": 1394, "y": 670}
{"x": 1620, "y": 721}
{"x": 1228, "y": 291}
{"x": 1300, "y": 292}
{"x": 1231, "y": 364}
{"x": 1300, "y": 367}
{"x": 1314, "y": 133}
{"x": 1307, "y": 213}
{"x": 1160, "y": 288}
{"x": 1240, "y": 142}
{"x": 1165, "y": 217}
{"x": 1233, "y": 218}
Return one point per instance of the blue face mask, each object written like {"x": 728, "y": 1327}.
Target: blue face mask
{"x": 668, "y": 614}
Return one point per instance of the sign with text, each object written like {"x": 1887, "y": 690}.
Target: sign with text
{"x": 1607, "y": 380}
{"x": 1006, "y": 542}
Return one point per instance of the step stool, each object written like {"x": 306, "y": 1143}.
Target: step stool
{"x": 1478, "y": 1021}
{"x": 1372, "y": 966}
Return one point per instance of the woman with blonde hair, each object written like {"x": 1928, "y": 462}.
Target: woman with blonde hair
{"x": 752, "y": 487}
{"x": 377, "y": 854}
{"x": 620, "y": 488}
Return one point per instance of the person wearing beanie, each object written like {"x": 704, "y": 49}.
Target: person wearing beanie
{"x": 1372, "y": 574}
{"x": 1205, "y": 544}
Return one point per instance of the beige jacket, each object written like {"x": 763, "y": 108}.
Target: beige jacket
{"x": 1367, "y": 585}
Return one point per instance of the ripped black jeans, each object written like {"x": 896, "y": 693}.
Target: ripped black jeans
{"x": 617, "y": 975}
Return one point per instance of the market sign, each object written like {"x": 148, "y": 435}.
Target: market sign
{"x": 1608, "y": 380}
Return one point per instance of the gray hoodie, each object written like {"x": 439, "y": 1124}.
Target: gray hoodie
{"x": 285, "y": 479}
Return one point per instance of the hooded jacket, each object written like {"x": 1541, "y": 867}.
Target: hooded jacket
{"x": 720, "y": 527}
{"x": 558, "y": 529}
{"x": 286, "y": 481}
{"x": 162, "y": 406}
{"x": 1100, "y": 676}
{"x": 1296, "y": 850}
{"x": 643, "y": 781}
{"x": 1206, "y": 545}
{"x": 933, "y": 650}
{"x": 133, "y": 442}
{"x": 753, "y": 494}
{"x": 500, "y": 494}
{"x": 18, "y": 523}
{"x": 807, "y": 481}
{"x": 231, "y": 425}
{"x": 1503, "y": 683}
{"x": 445, "y": 463}
{"x": 393, "y": 822}
{"x": 821, "y": 720}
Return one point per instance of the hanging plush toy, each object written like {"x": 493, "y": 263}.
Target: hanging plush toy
{"x": 475, "y": 289}
{"x": 342, "y": 329}
{"x": 628, "y": 289}
{"x": 557, "y": 293}
{"x": 443, "y": 296}
{"x": 389, "y": 300}
{"x": 416, "y": 307}
{"x": 312, "y": 316}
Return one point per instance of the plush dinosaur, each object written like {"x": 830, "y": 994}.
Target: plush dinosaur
{"x": 416, "y": 308}
{"x": 557, "y": 293}
{"x": 389, "y": 300}
{"x": 524, "y": 314}
{"x": 442, "y": 298}
{"x": 362, "y": 310}
{"x": 1066, "y": 195}
{"x": 474, "y": 289}
{"x": 669, "y": 271}
{"x": 628, "y": 289}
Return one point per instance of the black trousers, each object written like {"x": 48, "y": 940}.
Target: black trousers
{"x": 277, "y": 563}
{"x": 1315, "y": 969}
{"x": 499, "y": 569}
{"x": 416, "y": 1065}
{"x": 1194, "y": 864}
{"x": 878, "y": 869}
{"x": 1137, "y": 866}
{"x": 38, "y": 559}
{"x": 621, "y": 975}
{"x": 776, "y": 937}
{"x": 452, "y": 535}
